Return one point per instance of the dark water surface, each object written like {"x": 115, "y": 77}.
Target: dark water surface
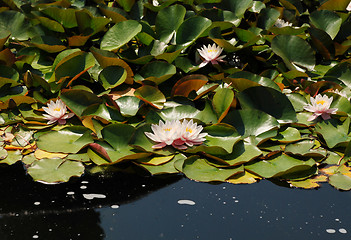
{"x": 134, "y": 207}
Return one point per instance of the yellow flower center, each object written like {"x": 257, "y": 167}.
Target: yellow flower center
{"x": 57, "y": 109}
{"x": 189, "y": 130}
{"x": 211, "y": 50}
{"x": 321, "y": 102}
{"x": 167, "y": 129}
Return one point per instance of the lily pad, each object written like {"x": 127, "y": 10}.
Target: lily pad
{"x": 198, "y": 169}
{"x": 55, "y": 170}
{"x": 279, "y": 166}
{"x": 296, "y": 53}
{"x": 66, "y": 140}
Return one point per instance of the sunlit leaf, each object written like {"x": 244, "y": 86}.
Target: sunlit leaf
{"x": 295, "y": 52}
{"x": 198, "y": 169}
{"x": 120, "y": 34}
{"x": 66, "y": 140}
{"x": 55, "y": 170}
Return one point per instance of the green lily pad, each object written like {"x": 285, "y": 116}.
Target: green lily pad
{"x": 295, "y": 52}
{"x": 168, "y": 21}
{"x": 334, "y": 132}
{"x": 165, "y": 168}
{"x": 222, "y": 101}
{"x": 55, "y": 170}
{"x": 198, "y": 169}
{"x": 326, "y": 20}
{"x": 242, "y": 80}
{"x": 341, "y": 72}
{"x": 340, "y": 181}
{"x": 78, "y": 100}
{"x": 128, "y": 105}
{"x": 20, "y": 29}
{"x": 269, "y": 101}
{"x": 219, "y": 141}
{"x": 66, "y": 140}
{"x": 112, "y": 76}
{"x": 288, "y": 135}
{"x": 191, "y": 29}
{"x": 279, "y": 166}
{"x": 243, "y": 152}
{"x": 120, "y": 34}
{"x": 267, "y": 18}
{"x": 151, "y": 95}
{"x": 156, "y": 71}
{"x": 304, "y": 148}
{"x": 251, "y": 122}
{"x": 105, "y": 112}
{"x": 178, "y": 112}
{"x": 11, "y": 157}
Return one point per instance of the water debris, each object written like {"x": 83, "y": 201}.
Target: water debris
{"x": 186, "y": 202}
{"x": 93, "y": 195}
{"x": 330, "y": 230}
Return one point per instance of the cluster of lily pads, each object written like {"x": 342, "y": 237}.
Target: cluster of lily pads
{"x": 218, "y": 90}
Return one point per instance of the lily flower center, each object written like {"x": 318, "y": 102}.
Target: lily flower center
{"x": 167, "y": 129}
{"x": 212, "y": 50}
{"x": 57, "y": 109}
{"x": 189, "y": 130}
{"x": 321, "y": 102}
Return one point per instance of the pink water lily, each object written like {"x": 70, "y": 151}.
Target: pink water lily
{"x": 56, "y": 112}
{"x": 164, "y": 133}
{"x": 190, "y": 135}
{"x": 211, "y": 54}
{"x": 178, "y": 134}
{"x": 320, "y": 106}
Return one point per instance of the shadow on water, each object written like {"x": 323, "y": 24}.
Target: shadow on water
{"x": 29, "y": 210}
{"x": 173, "y": 208}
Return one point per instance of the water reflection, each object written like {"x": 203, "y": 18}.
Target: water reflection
{"x": 30, "y": 210}
{"x": 135, "y": 207}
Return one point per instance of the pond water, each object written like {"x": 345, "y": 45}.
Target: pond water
{"x": 125, "y": 206}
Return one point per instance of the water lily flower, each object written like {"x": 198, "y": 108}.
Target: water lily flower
{"x": 211, "y": 54}
{"x": 348, "y": 8}
{"x": 190, "y": 135}
{"x": 178, "y": 134}
{"x": 341, "y": 93}
{"x": 280, "y": 23}
{"x": 56, "y": 111}
{"x": 320, "y": 106}
{"x": 164, "y": 133}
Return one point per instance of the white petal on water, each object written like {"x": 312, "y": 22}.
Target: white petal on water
{"x": 70, "y": 193}
{"x": 37, "y": 203}
{"x": 114, "y": 206}
{"x": 93, "y": 195}
{"x": 330, "y": 230}
{"x": 83, "y": 187}
{"x": 186, "y": 202}
{"x": 35, "y": 236}
{"x": 342, "y": 230}
{"x": 85, "y": 182}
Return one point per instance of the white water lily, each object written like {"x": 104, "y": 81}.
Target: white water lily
{"x": 177, "y": 134}
{"x": 211, "y": 54}
{"x": 164, "y": 133}
{"x": 280, "y": 23}
{"x": 348, "y": 8}
{"x": 190, "y": 135}
{"x": 56, "y": 111}
{"x": 341, "y": 93}
{"x": 320, "y": 106}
